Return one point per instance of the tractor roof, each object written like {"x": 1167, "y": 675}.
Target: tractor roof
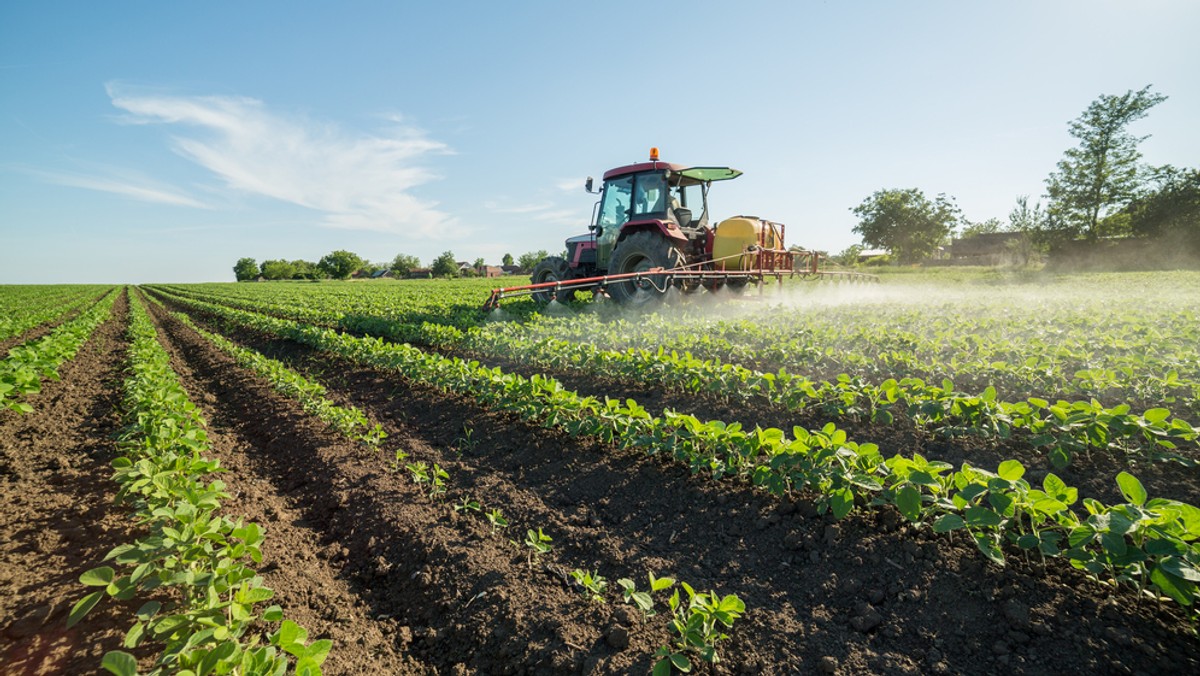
{"x": 695, "y": 174}
{"x": 640, "y": 167}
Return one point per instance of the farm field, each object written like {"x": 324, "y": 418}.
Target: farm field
{"x": 950, "y": 472}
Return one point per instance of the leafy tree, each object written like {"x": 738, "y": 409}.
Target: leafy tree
{"x": 479, "y": 264}
{"x": 340, "y": 264}
{"x": 1103, "y": 171}
{"x": 849, "y": 255}
{"x": 445, "y": 265}
{"x": 403, "y": 264}
{"x": 302, "y": 269}
{"x": 906, "y": 222}
{"x": 1170, "y": 209}
{"x": 278, "y": 269}
{"x": 507, "y": 260}
{"x": 1024, "y": 218}
{"x": 972, "y": 228}
{"x": 246, "y": 269}
{"x": 527, "y": 261}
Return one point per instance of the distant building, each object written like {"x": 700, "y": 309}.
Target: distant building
{"x": 989, "y": 248}
{"x": 491, "y": 271}
{"x": 867, "y": 254}
{"x": 512, "y": 269}
{"x": 383, "y": 274}
{"x": 420, "y": 273}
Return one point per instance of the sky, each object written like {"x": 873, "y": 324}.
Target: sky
{"x": 160, "y": 142}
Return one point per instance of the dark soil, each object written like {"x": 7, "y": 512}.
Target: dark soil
{"x": 868, "y": 594}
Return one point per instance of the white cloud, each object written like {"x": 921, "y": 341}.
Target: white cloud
{"x": 123, "y": 183}
{"x": 570, "y": 184}
{"x": 356, "y": 180}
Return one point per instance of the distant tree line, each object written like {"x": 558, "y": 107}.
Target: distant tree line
{"x": 1100, "y": 189}
{"x": 343, "y": 264}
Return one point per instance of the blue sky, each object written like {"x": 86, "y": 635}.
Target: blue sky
{"x": 146, "y": 142}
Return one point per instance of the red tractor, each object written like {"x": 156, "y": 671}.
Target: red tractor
{"x": 650, "y": 231}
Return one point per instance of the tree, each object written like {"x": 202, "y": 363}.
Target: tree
{"x": 403, "y": 264}
{"x": 1024, "y": 218}
{"x": 302, "y": 269}
{"x": 246, "y": 269}
{"x": 527, "y": 261}
{"x": 972, "y": 228}
{"x": 507, "y": 260}
{"x": 1103, "y": 171}
{"x": 278, "y": 269}
{"x": 340, "y": 264}
{"x": 1171, "y": 209}
{"x": 445, "y": 265}
{"x": 479, "y": 264}
{"x": 906, "y": 222}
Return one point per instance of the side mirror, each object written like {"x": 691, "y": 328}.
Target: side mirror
{"x": 588, "y": 184}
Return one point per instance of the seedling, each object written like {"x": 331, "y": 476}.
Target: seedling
{"x": 592, "y": 584}
{"x": 643, "y": 599}
{"x": 468, "y": 505}
{"x": 697, "y": 626}
{"x": 496, "y": 520}
{"x": 538, "y": 543}
{"x": 466, "y": 442}
{"x": 437, "y": 482}
{"x": 401, "y": 456}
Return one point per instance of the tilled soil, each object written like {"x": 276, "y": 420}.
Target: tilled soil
{"x": 868, "y": 594}
{"x": 56, "y": 512}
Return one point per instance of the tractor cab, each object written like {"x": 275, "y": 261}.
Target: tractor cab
{"x": 670, "y": 199}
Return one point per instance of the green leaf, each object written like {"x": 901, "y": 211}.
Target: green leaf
{"x": 841, "y": 502}
{"x": 1182, "y": 591}
{"x": 1011, "y": 470}
{"x": 1156, "y": 415}
{"x": 1180, "y": 568}
{"x": 948, "y": 522}
{"x": 1131, "y": 488}
{"x": 908, "y": 501}
{"x": 97, "y": 577}
{"x": 119, "y": 663}
{"x": 989, "y": 549}
{"x": 82, "y": 607}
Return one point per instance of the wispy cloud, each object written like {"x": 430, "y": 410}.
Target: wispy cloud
{"x": 356, "y": 180}
{"x": 573, "y": 184}
{"x": 122, "y": 183}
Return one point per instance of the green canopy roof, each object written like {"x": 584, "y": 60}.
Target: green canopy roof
{"x": 710, "y": 173}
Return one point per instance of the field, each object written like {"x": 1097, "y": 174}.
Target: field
{"x": 946, "y": 472}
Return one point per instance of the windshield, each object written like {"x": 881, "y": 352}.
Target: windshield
{"x": 614, "y": 206}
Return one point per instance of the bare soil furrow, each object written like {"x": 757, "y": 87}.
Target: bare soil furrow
{"x": 867, "y": 594}
{"x": 56, "y": 511}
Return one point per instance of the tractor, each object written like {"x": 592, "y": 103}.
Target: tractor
{"x": 651, "y": 231}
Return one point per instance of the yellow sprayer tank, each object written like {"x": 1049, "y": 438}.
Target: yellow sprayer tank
{"x": 733, "y": 235}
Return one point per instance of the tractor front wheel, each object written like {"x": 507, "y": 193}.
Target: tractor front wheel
{"x": 642, "y": 252}
{"x": 552, "y": 269}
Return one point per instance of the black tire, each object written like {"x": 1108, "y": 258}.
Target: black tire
{"x": 639, "y": 252}
{"x": 551, "y": 269}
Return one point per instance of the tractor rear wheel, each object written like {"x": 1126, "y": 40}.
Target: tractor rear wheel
{"x": 641, "y": 252}
{"x": 552, "y": 269}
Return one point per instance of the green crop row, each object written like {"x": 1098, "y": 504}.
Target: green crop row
{"x": 351, "y": 422}
{"x": 23, "y": 308}
{"x": 1063, "y": 428}
{"x": 1091, "y": 339}
{"x": 206, "y": 599}
{"x": 22, "y": 372}
{"x": 1151, "y": 544}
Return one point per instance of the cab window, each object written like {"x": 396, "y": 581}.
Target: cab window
{"x": 614, "y": 207}
{"x": 649, "y": 194}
